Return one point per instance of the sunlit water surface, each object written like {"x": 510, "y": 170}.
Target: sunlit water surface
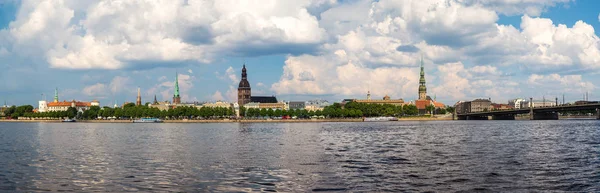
{"x": 504, "y": 156}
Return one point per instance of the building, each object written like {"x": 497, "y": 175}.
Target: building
{"x": 176, "y": 97}
{"x": 386, "y": 100}
{"x": 217, "y": 104}
{"x": 244, "y": 90}
{"x": 477, "y": 105}
{"x": 294, "y": 105}
{"x": 263, "y": 99}
{"x": 55, "y": 105}
{"x": 163, "y": 106}
{"x": 462, "y": 107}
{"x": 500, "y": 107}
{"x": 422, "y": 86}
{"x": 316, "y": 105}
{"x": 480, "y": 105}
{"x": 539, "y": 103}
{"x": 516, "y": 103}
{"x": 424, "y": 101}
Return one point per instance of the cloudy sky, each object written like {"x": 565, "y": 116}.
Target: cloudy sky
{"x": 298, "y": 50}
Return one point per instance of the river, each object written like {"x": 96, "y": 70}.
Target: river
{"x": 441, "y": 156}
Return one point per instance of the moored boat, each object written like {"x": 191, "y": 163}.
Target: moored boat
{"x": 148, "y": 120}
{"x": 68, "y": 120}
{"x": 376, "y": 119}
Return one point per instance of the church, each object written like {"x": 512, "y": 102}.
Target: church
{"x": 246, "y": 99}
{"x": 425, "y": 100}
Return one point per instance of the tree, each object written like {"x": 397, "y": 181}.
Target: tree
{"x": 430, "y": 108}
{"x": 71, "y": 112}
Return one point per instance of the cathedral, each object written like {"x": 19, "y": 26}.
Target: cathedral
{"x": 244, "y": 91}
{"x": 425, "y": 100}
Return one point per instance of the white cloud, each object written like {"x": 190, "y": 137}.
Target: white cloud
{"x": 119, "y": 84}
{"x": 96, "y": 90}
{"x": 121, "y": 34}
{"x": 566, "y": 83}
{"x": 190, "y": 71}
{"x": 217, "y": 96}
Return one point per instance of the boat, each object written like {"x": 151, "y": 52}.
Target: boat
{"x": 148, "y": 120}
{"x": 376, "y": 119}
{"x": 68, "y": 120}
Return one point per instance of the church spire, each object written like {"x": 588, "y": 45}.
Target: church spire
{"x": 176, "y": 98}
{"x": 422, "y": 86}
{"x": 176, "y": 84}
{"x": 56, "y": 95}
{"x": 155, "y": 101}
{"x": 138, "y": 101}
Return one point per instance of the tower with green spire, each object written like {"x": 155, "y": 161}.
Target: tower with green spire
{"x": 176, "y": 98}
{"x": 56, "y": 95}
{"x": 422, "y": 87}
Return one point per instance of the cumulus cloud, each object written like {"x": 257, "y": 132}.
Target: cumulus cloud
{"x": 566, "y": 83}
{"x": 108, "y": 34}
{"x": 383, "y": 38}
{"x": 217, "y": 96}
{"x": 96, "y": 90}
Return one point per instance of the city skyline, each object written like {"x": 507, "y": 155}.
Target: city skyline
{"x": 502, "y": 54}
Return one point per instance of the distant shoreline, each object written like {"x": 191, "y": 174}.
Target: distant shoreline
{"x": 234, "y": 120}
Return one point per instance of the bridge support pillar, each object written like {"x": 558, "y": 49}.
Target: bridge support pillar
{"x": 477, "y": 117}
{"x": 545, "y": 116}
{"x": 598, "y": 114}
{"x": 503, "y": 117}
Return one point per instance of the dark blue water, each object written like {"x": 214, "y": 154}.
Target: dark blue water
{"x": 503, "y": 156}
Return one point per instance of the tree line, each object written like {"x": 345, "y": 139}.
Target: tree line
{"x": 131, "y": 111}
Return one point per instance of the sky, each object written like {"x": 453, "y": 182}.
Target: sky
{"x": 298, "y": 50}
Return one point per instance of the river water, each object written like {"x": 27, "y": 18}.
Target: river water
{"x": 441, "y": 156}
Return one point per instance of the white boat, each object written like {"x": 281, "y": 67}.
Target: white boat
{"x": 68, "y": 120}
{"x": 148, "y": 120}
{"x": 376, "y": 119}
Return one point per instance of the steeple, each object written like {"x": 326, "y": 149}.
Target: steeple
{"x": 368, "y": 95}
{"x": 422, "y": 87}
{"x": 244, "y": 90}
{"x": 155, "y": 101}
{"x": 176, "y": 98}
{"x": 56, "y": 95}
{"x": 138, "y": 101}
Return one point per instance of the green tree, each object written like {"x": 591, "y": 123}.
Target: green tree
{"x": 430, "y": 108}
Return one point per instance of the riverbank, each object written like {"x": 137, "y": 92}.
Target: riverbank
{"x": 240, "y": 121}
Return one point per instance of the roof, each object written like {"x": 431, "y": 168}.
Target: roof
{"x": 244, "y": 84}
{"x": 438, "y": 104}
{"x": 263, "y": 99}
{"x": 421, "y": 104}
{"x": 68, "y": 104}
{"x": 481, "y": 100}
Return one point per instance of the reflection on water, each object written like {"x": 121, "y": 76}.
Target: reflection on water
{"x": 372, "y": 157}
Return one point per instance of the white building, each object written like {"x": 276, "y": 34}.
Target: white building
{"x": 42, "y": 106}
{"x": 538, "y": 103}
{"x": 217, "y": 104}
{"x": 516, "y": 103}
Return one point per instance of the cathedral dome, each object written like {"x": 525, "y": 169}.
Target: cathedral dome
{"x": 244, "y": 84}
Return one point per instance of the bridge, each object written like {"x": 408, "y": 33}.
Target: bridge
{"x": 539, "y": 113}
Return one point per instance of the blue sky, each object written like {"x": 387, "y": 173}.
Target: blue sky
{"x": 298, "y": 50}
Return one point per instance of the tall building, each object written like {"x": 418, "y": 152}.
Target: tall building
{"x": 138, "y": 101}
{"x": 176, "y": 97}
{"x": 422, "y": 87}
{"x": 244, "y": 90}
